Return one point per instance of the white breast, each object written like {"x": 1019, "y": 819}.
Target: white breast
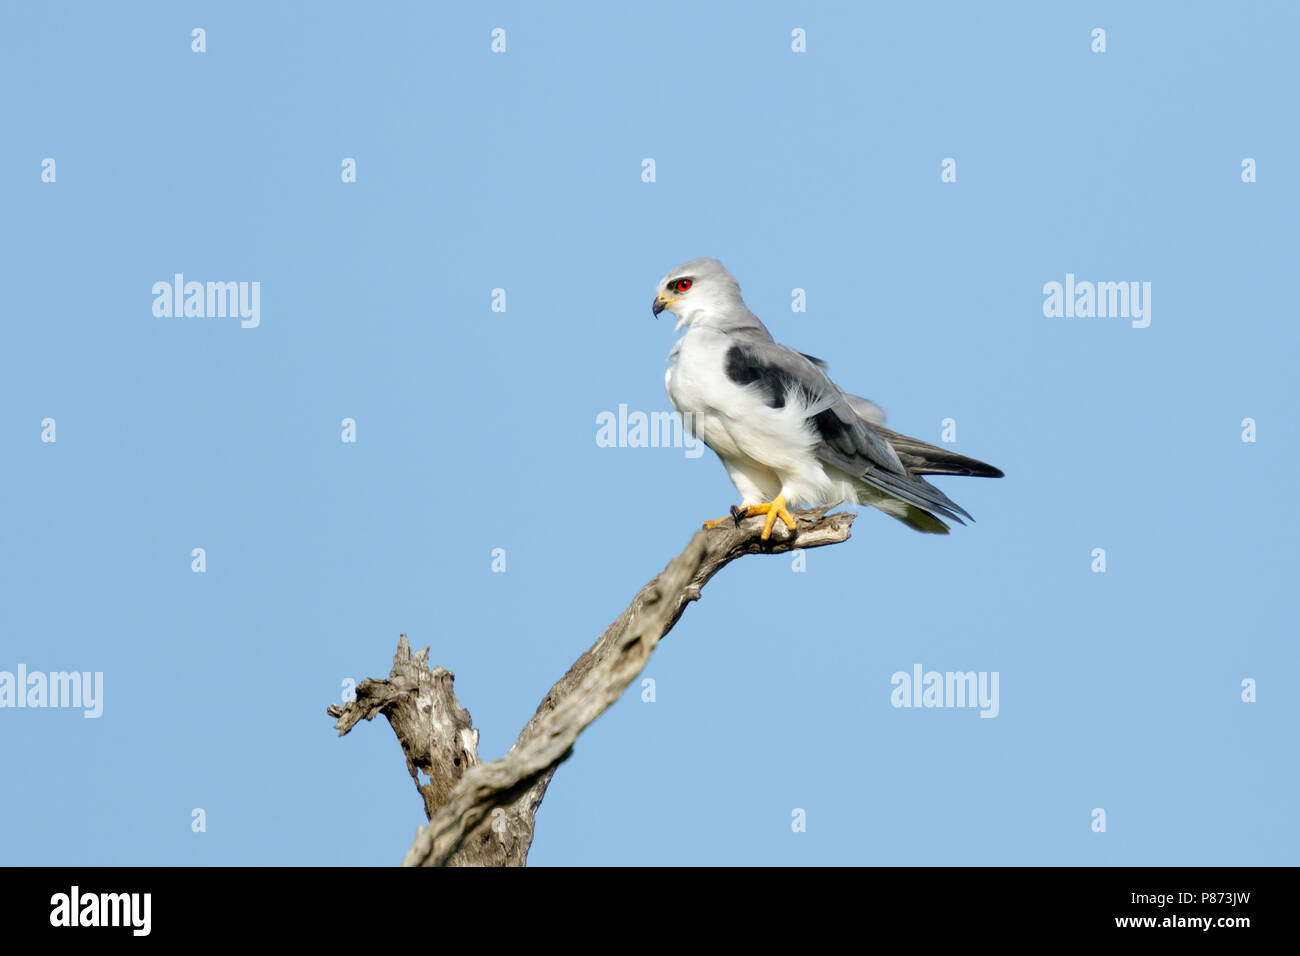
{"x": 765, "y": 450}
{"x": 699, "y": 388}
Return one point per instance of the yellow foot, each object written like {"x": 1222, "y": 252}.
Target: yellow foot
{"x": 773, "y": 509}
{"x": 736, "y": 516}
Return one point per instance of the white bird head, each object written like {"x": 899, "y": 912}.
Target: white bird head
{"x": 701, "y": 287}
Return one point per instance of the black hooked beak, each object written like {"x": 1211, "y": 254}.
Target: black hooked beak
{"x": 658, "y": 306}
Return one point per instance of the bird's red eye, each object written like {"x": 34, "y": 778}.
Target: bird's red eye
{"x": 683, "y": 285}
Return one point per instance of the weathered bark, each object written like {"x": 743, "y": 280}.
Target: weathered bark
{"x": 484, "y": 814}
{"x": 436, "y": 732}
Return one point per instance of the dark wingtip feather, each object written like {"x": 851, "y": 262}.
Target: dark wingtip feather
{"x": 922, "y": 458}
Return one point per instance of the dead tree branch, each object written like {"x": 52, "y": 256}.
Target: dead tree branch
{"x": 484, "y": 814}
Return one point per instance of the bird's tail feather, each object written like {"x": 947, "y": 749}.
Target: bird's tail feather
{"x": 921, "y": 458}
{"x": 911, "y": 515}
{"x": 915, "y": 490}
{"x": 922, "y": 521}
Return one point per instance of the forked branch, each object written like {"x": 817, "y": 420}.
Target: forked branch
{"x": 483, "y": 814}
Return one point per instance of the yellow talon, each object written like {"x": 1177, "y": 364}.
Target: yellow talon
{"x": 773, "y": 509}
{"x": 737, "y": 515}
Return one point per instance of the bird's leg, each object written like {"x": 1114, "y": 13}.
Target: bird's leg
{"x": 773, "y": 509}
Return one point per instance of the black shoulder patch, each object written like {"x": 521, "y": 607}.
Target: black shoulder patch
{"x": 744, "y": 369}
{"x": 834, "y": 432}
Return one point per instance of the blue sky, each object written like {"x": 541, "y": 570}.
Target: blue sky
{"x": 476, "y": 429}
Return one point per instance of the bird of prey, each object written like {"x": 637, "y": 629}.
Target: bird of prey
{"x": 787, "y": 435}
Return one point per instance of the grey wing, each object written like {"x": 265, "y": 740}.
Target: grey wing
{"x": 781, "y": 372}
{"x": 848, "y": 440}
{"x": 780, "y": 375}
{"x": 866, "y": 408}
{"x": 854, "y": 445}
